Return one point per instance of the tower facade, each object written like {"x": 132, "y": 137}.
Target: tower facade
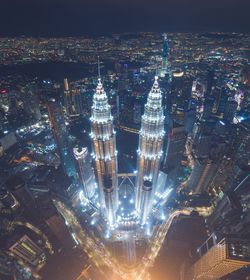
{"x": 219, "y": 259}
{"x": 85, "y": 171}
{"x": 61, "y": 136}
{"x": 31, "y": 100}
{"x": 202, "y": 173}
{"x": 104, "y": 153}
{"x": 149, "y": 151}
{"x": 72, "y": 100}
{"x": 164, "y": 56}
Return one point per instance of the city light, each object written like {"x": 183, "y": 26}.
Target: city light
{"x": 136, "y": 159}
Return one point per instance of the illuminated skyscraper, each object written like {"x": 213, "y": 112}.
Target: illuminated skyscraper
{"x": 218, "y": 260}
{"x": 104, "y": 153}
{"x": 149, "y": 151}
{"x": 165, "y": 56}
{"x": 85, "y": 171}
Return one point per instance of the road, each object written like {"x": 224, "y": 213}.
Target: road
{"x": 100, "y": 255}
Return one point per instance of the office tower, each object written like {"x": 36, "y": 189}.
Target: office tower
{"x": 20, "y": 191}
{"x": 221, "y": 101}
{"x": 174, "y": 153}
{"x": 226, "y": 214}
{"x": 31, "y": 102}
{"x": 123, "y": 82}
{"x": 14, "y": 108}
{"x": 26, "y": 249}
{"x": 202, "y": 173}
{"x": 67, "y": 97}
{"x": 208, "y": 107}
{"x": 219, "y": 259}
{"x": 16, "y": 116}
{"x": 85, "y": 171}
{"x": 223, "y": 171}
{"x": 164, "y": 56}
{"x": 149, "y": 151}
{"x": 239, "y": 140}
{"x": 137, "y": 113}
{"x": 61, "y": 135}
{"x": 76, "y": 102}
{"x": 230, "y": 110}
{"x": 104, "y": 153}
{"x": 72, "y": 100}
{"x": 239, "y": 173}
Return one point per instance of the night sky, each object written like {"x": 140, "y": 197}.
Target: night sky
{"x": 86, "y": 17}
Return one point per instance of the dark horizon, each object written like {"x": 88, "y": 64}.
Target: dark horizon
{"x": 77, "y": 18}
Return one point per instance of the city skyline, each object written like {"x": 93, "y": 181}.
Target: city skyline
{"x": 131, "y": 162}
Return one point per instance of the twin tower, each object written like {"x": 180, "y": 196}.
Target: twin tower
{"x": 104, "y": 151}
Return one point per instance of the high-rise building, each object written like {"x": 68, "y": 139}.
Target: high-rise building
{"x": 219, "y": 259}
{"x": 31, "y": 100}
{"x": 230, "y": 110}
{"x": 208, "y": 107}
{"x": 202, "y": 173}
{"x": 137, "y": 113}
{"x": 174, "y": 153}
{"x": 61, "y": 135}
{"x": 221, "y": 101}
{"x": 72, "y": 100}
{"x": 149, "y": 151}
{"x": 85, "y": 171}
{"x": 67, "y": 97}
{"x": 164, "y": 56}
{"x": 16, "y": 116}
{"x": 104, "y": 153}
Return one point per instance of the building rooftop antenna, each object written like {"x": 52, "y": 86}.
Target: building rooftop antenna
{"x": 99, "y": 70}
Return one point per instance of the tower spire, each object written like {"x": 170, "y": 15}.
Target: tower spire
{"x": 99, "y": 70}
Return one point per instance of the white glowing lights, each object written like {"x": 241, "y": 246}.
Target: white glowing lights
{"x": 104, "y": 153}
{"x": 149, "y": 151}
